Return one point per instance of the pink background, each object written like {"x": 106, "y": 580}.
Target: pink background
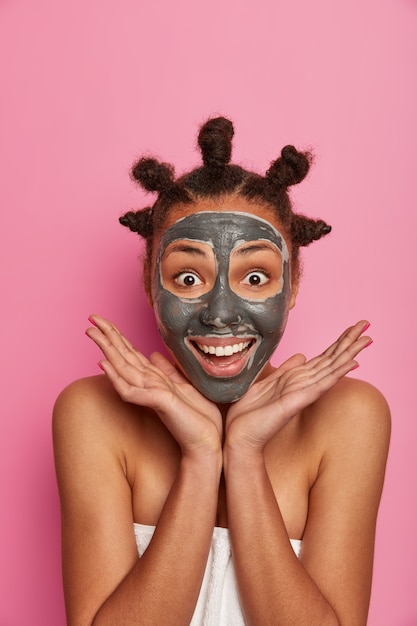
{"x": 87, "y": 86}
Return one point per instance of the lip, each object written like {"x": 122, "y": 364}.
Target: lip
{"x": 227, "y": 365}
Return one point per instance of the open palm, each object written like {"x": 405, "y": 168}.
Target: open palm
{"x": 194, "y": 421}
{"x": 270, "y": 403}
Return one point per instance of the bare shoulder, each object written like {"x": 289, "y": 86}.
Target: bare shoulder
{"x": 90, "y": 391}
{"x": 92, "y": 425}
{"x": 91, "y": 403}
{"x": 352, "y": 411}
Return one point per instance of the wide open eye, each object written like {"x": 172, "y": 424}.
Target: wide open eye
{"x": 188, "y": 279}
{"x": 188, "y": 268}
{"x": 255, "y": 269}
{"x": 256, "y": 278}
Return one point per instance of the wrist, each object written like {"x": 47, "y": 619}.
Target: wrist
{"x": 237, "y": 444}
{"x": 203, "y": 462}
{"x": 242, "y": 457}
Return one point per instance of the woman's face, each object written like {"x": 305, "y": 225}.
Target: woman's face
{"x": 221, "y": 293}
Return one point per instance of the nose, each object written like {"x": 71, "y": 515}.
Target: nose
{"x": 220, "y": 310}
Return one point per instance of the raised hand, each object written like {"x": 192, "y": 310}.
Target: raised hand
{"x": 270, "y": 403}
{"x": 194, "y": 421}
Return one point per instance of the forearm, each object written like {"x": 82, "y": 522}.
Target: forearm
{"x": 163, "y": 586}
{"x": 274, "y": 586}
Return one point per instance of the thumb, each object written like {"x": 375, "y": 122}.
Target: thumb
{"x": 167, "y": 368}
{"x": 294, "y": 361}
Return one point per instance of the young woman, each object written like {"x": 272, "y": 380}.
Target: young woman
{"x": 216, "y": 489}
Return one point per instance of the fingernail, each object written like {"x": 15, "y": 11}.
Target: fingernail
{"x": 100, "y": 366}
{"x": 354, "y": 367}
{"x": 366, "y": 327}
{"x": 90, "y": 319}
{"x": 369, "y": 343}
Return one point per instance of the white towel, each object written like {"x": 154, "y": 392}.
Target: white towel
{"x": 218, "y": 602}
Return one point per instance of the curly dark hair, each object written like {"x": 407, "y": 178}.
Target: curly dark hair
{"x": 218, "y": 177}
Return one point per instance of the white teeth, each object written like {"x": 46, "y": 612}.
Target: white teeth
{"x": 224, "y": 350}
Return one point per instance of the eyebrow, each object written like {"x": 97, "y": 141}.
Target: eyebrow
{"x": 187, "y": 248}
{"x": 256, "y": 247}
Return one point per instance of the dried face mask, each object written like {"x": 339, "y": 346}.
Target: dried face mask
{"x": 221, "y": 293}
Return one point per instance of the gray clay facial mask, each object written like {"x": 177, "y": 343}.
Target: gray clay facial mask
{"x": 221, "y": 292}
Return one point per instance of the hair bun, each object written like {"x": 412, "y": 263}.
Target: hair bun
{"x": 289, "y": 169}
{"x": 305, "y": 230}
{"x": 139, "y": 221}
{"x": 215, "y": 141}
{"x": 153, "y": 175}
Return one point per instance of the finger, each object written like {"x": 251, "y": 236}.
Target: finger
{"x": 128, "y": 366}
{"x": 168, "y": 368}
{"x": 130, "y": 388}
{"x": 108, "y": 328}
{"x": 134, "y": 371}
{"x": 349, "y": 344}
{"x": 105, "y": 326}
{"x": 349, "y": 336}
{"x": 324, "y": 366}
{"x": 112, "y": 343}
{"x": 296, "y": 360}
{"x": 328, "y": 377}
{"x": 335, "y": 360}
{"x": 313, "y": 386}
{"x": 111, "y": 348}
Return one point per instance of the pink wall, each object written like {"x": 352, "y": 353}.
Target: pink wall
{"x": 86, "y": 87}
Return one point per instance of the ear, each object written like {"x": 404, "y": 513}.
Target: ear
{"x": 294, "y": 293}
{"x": 147, "y": 283}
{"x": 149, "y": 298}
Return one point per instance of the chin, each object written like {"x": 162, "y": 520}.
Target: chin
{"x": 223, "y": 391}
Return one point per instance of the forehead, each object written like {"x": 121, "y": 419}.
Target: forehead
{"x": 226, "y": 203}
{"x": 223, "y": 230}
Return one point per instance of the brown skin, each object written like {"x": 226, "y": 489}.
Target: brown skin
{"x": 143, "y": 446}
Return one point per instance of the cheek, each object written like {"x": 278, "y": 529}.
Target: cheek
{"x": 173, "y": 315}
{"x": 270, "y": 315}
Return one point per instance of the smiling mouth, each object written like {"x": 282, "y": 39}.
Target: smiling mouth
{"x": 240, "y": 348}
{"x": 223, "y": 357}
